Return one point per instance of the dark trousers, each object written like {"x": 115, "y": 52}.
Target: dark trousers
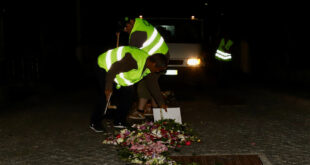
{"x": 224, "y": 73}
{"x": 123, "y": 98}
{"x": 97, "y": 115}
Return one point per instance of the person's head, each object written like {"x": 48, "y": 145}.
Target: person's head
{"x": 129, "y": 23}
{"x": 157, "y": 62}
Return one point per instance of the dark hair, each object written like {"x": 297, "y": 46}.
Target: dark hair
{"x": 121, "y": 23}
{"x": 160, "y": 60}
{"x": 128, "y": 18}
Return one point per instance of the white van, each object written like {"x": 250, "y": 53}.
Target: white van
{"x": 184, "y": 37}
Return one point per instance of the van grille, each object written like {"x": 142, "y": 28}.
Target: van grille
{"x": 175, "y": 62}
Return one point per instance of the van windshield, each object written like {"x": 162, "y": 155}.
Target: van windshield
{"x": 180, "y": 30}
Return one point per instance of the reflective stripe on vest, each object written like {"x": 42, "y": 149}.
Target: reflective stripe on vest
{"x": 150, "y": 40}
{"x": 108, "y": 59}
{"x": 119, "y": 53}
{"x": 157, "y": 46}
{"x": 155, "y": 42}
{"x": 128, "y": 83}
{"x": 222, "y": 55}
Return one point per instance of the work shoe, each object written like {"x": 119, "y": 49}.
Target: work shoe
{"x": 136, "y": 115}
{"x": 119, "y": 125}
{"x": 148, "y": 112}
{"x": 96, "y": 127}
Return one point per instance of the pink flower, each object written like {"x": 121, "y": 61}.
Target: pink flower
{"x": 137, "y": 147}
{"x": 141, "y": 127}
{"x": 158, "y": 147}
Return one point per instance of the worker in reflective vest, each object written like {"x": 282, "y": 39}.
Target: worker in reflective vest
{"x": 223, "y": 52}
{"x": 146, "y": 37}
{"x": 125, "y": 66}
{"x": 224, "y": 56}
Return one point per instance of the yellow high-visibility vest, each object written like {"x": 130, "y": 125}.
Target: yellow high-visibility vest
{"x": 155, "y": 42}
{"x": 105, "y": 61}
{"x": 223, "y": 51}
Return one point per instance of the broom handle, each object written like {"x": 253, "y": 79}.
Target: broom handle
{"x": 117, "y": 38}
{"x": 108, "y": 102}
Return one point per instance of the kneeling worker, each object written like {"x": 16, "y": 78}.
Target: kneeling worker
{"x": 125, "y": 66}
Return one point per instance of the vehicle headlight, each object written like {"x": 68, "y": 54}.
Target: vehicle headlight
{"x": 193, "y": 61}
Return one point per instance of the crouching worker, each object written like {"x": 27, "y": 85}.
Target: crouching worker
{"x": 124, "y": 66}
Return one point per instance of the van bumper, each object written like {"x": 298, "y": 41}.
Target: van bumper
{"x": 183, "y": 75}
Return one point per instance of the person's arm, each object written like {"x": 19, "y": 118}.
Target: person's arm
{"x": 124, "y": 65}
{"x": 153, "y": 86}
{"x": 137, "y": 39}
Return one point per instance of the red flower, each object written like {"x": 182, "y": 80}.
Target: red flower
{"x": 188, "y": 143}
{"x": 118, "y": 136}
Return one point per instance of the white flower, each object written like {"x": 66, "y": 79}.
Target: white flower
{"x": 157, "y": 132}
{"x": 119, "y": 140}
{"x": 137, "y": 161}
{"x": 123, "y": 131}
{"x": 181, "y": 136}
{"x": 158, "y": 159}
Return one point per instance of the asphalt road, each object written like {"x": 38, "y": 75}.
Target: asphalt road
{"x": 52, "y": 127}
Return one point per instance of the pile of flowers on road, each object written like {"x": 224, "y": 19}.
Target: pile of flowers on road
{"x": 149, "y": 143}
